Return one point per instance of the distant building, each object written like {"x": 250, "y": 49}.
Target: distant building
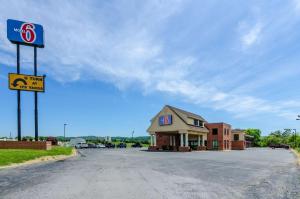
{"x": 241, "y": 140}
{"x": 7, "y": 139}
{"x": 107, "y": 138}
{"x": 179, "y": 130}
{"x": 75, "y": 141}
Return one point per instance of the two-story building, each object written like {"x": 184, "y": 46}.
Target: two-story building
{"x": 179, "y": 130}
{"x": 219, "y": 136}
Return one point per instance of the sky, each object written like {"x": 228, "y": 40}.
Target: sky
{"x": 112, "y": 65}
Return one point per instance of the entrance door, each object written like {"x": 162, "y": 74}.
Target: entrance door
{"x": 193, "y": 144}
{"x": 215, "y": 144}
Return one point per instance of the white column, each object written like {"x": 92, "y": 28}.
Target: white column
{"x": 154, "y": 136}
{"x": 151, "y": 140}
{"x": 199, "y": 144}
{"x": 181, "y": 140}
{"x": 186, "y": 140}
{"x": 204, "y": 138}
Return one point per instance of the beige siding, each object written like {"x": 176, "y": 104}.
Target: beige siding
{"x": 190, "y": 121}
{"x": 241, "y": 135}
{"x": 177, "y": 123}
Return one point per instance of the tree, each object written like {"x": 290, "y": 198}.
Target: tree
{"x": 272, "y": 139}
{"x": 256, "y": 133}
{"x": 276, "y": 133}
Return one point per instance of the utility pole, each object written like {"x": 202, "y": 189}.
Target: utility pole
{"x": 132, "y": 135}
{"x": 65, "y": 132}
{"x": 298, "y": 118}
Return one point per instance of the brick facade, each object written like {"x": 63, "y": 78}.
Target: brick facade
{"x": 238, "y": 145}
{"x": 25, "y": 145}
{"x": 222, "y": 139}
{"x": 163, "y": 141}
{"x": 184, "y": 149}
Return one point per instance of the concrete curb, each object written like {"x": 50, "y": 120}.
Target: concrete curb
{"x": 297, "y": 155}
{"x": 41, "y": 159}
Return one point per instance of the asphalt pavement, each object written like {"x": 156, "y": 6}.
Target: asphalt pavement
{"x": 138, "y": 174}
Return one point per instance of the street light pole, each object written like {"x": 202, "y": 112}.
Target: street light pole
{"x": 65, "y": 132}
{"x": 298, "y": 118}
{"x": 132, "y": 135}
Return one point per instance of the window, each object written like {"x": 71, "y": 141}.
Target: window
{"x": 236, "y": 137}
{"x": 196, "y": 122}
{"x": 215, "y": 131}
{"x": 225, "y": 131}
{"x": 225, "y": 144}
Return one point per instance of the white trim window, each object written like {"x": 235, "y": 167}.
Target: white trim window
{"x": 198, "y": 123}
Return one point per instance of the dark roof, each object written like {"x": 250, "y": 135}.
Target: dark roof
{"x": 238, "y": 130}
{"x": 188, "y": 114}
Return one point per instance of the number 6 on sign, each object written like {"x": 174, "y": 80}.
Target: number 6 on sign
{"x": 19, "y": 32}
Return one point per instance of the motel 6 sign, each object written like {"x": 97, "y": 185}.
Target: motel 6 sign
{"x": 20, "y": 32}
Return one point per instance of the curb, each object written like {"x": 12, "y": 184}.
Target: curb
{"x": 44, "y": 159}
{"x": 297, "y": 156}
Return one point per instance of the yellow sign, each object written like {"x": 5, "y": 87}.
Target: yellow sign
{"x": 26, "y": 82}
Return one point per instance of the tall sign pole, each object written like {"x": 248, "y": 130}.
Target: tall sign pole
{"x": 36, "y": 116}
{"x": 19, "y": 96}
{"x": 29, "y": 34}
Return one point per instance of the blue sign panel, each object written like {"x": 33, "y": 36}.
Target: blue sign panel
{"x": 25, "y": 33}
{"x": 165, "y": 120}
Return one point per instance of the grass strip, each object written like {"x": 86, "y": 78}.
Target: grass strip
{"x": 11, "y": 156}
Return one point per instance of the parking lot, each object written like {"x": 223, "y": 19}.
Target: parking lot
{"x": 138, "y": 174}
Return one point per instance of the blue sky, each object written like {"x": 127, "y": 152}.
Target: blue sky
{"x": 112, "y": 65}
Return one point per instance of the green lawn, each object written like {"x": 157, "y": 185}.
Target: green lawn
{"x": 10, "y": 156}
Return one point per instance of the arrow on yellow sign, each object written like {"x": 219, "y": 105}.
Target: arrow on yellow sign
{"x": 26, "y": 82}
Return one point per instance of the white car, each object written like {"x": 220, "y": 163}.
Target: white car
{"x": 100, "y": 146}
{"x": 81, "y": 145}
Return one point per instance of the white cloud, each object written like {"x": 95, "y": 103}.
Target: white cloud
{"x": 122, "y": 44}
{"x": 252, "y": 35}
{"x": 296, "y": 5}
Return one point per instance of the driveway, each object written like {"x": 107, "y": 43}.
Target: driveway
{"x": 138, "y": 174}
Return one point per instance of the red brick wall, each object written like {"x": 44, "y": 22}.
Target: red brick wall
{"x": 163, "y": 139}
{"x": 25, "y": 145}
{"x": 220, "y": 137}
{"x": 238, "y": 145}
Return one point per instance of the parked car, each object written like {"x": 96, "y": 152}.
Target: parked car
{"x": 122, "y": 145}
{"x": 284, "y": 146}
{"x": 92, "y": 145}
{"x": 81, "y": 145}
{"x": 110, "y": 145}
{"x": 100, "y": 146}
{"x": 75, "y": 141}
{"x": 136, "y": 145}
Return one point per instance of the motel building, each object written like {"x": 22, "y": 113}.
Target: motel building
{"x": 174, "y": 129}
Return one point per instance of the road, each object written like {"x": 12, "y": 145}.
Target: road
{"x": 138, "y": 174}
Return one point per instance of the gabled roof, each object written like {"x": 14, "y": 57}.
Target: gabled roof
{"x": 184, "y": 117}
{"x": 188, "y": 114}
